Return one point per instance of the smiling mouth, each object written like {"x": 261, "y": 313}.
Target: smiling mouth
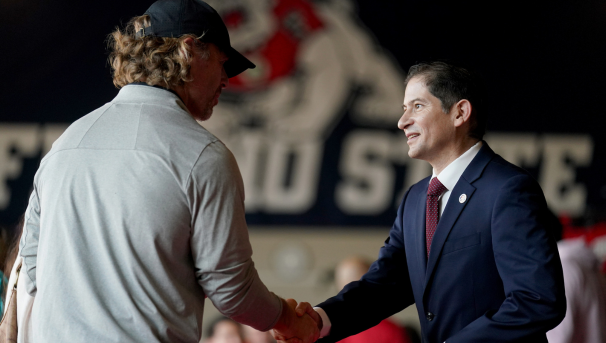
{"x": 412, "y": 136}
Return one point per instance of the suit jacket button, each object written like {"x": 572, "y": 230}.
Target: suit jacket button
{"x": 430, "y": 316}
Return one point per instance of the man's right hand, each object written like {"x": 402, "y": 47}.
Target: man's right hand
{"x": 305, "y": 307}
{"x": 293, "y": 328}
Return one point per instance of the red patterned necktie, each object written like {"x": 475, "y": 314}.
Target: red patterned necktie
{"x": 432, "y": 214}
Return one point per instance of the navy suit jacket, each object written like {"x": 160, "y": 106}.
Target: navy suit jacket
{"x": 493, "y": 275}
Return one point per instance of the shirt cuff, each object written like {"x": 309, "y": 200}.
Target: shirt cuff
{"x": 325, "y": 322}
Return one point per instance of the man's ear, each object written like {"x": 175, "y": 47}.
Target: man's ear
{"x": 191, "y": 44}
{"x": 462, "y": 113}
{"x": 189, "y": 41}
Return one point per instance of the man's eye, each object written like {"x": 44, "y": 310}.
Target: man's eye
{"x": 418, "y": 106}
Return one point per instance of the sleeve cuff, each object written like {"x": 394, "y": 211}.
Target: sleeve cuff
{"x": 325, "y": 322}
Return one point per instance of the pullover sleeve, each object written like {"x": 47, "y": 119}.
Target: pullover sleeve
{"x": 220, "y": 245}
{"x": 28, "y": 246}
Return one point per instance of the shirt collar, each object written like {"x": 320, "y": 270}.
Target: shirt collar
{"x": 156, "y": 86}
{"x": 452, "y": 173}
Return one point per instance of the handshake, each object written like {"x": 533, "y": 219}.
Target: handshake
{"x": 298, "y": 323}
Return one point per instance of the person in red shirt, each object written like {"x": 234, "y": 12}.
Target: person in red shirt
{"x": 352, "y": 269}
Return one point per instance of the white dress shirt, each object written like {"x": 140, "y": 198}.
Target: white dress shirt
{"x": 449, "y": 178}
{"x": 452, "y": 173}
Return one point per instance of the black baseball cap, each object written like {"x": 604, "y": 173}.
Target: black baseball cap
{"x": 174, "y": 18}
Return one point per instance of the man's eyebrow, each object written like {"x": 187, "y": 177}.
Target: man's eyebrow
{"x": 413, "y": 100}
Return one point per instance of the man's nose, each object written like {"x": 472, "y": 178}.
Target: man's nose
{"x": 224, "y": 79}
{"x": 404, "y": 121}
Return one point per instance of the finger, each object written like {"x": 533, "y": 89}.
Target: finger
{"x": 277, "y": 336}
{"x": 292, "y": 303}
{"x": 316, "y": 332}
{"x": 304, "y": 307}
{"x": 309, "y": 329}
{"x": 292, "y": 340}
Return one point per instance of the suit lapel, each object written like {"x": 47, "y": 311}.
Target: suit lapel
{"x": 454, "y": 207}
{"x": 449, "y": 217}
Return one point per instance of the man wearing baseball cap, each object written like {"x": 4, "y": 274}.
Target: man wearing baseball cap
{"x": 137, "y": 212}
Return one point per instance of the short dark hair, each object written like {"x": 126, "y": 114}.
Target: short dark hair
{"x": 451, "y": 84}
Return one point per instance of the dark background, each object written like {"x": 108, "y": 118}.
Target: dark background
{"x": 543, "y": 63}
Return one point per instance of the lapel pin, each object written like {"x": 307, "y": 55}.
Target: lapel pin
{"x": 462, "y": 198}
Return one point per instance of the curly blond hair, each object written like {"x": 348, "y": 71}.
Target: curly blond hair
{"x": 157, "y": 61}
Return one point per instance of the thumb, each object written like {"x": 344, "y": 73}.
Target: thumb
{"x": 304, "y": 307}
{"x": 292, "y": 303}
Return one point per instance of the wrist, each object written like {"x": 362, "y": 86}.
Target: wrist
{"x": 320, "y": 323}
{"x": 285, "y": 318}
{"x": 326, "y": 324}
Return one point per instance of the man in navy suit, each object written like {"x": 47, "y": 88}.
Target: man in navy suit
{"x": 470, "y": 245}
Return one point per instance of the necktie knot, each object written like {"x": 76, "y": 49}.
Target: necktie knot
{"x": 436, "y": 188}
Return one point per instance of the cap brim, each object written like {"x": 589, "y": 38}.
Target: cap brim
{"x": 236, "y": 63}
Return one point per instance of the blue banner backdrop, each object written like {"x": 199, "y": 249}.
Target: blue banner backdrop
{"x": 313, "y": 127}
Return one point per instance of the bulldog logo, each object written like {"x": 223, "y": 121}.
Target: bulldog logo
{"x": 312, "y": 61}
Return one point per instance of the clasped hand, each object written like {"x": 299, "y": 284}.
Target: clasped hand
{"x": 301, "y": 325}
